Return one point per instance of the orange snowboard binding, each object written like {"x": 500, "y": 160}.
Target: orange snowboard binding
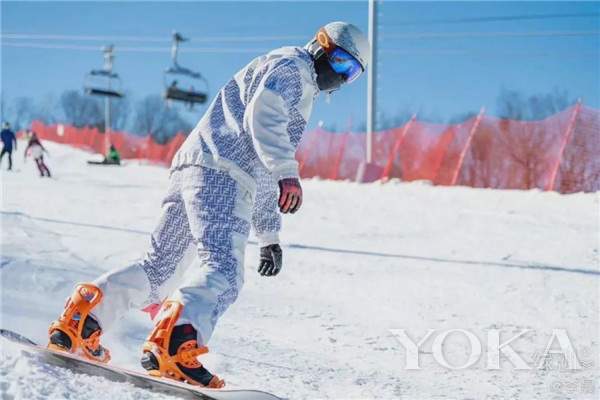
{"x": 76, "y": 331}
{"x": 171, "y": 351}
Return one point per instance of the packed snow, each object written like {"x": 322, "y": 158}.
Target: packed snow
{"x": 361, "y": 262}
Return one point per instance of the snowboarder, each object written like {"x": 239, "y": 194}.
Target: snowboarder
{"x": 8, "y": 139}
{"x": 235, "y": 170}
{"x": 113, "y": 156}
{"x": 37, "y": 150}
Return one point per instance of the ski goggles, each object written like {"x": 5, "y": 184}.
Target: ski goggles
{"x": 344, "y": 64}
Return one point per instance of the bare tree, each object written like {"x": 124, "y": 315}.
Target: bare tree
{"x": 120, "y": 113}
{"x": 82, "y": 110}
{"x": 527, "y": 146}
{"x": 462, "y": 117}
{"x": 478, "y": 167}
{"x": 512, "y": 104}
{"x": 386, "y": 122}
{"x": 580, "y": 164}
{"x": 46, "y": 109}
{"x": 22, "y": 111}
{"x": 154, "y": 118}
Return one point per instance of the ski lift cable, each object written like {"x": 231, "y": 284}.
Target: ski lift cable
{"x": 49, "y": 36}
{"x": 416, "y": 35}
{"x": 435, "y": 35}
{"x": 252, "y": 50}
{"x": 131, "y": 49}
{"x": 501, "y": 18}
{"x": 245, "y": 38}
{"x": 51, "y": 46}
{"x": 162, "y": 39}
{"x": 505, "y": 53}
{"x": 35, "y": 36}
{"x": 192, "y": 50}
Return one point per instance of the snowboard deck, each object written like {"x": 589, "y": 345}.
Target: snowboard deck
{"x": 91, "y": 162}
{"x": 138, "y": 379}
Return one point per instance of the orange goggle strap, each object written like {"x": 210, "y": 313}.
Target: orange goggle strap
{"x": 325, "y": 41}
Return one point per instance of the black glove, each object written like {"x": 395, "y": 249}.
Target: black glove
{"x": 290, "y": 195}
{"x": 270, "y": 260}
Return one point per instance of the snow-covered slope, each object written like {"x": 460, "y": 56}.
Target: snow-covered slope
{"x": 360, "y": 261}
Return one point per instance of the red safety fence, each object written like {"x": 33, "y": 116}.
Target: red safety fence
{"x": 129, "y": 146}
{"x": 559, "y": 153}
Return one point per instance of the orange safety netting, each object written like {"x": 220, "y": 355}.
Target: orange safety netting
{"x": 561, "y": 152}
{"x": 129, "y": 146}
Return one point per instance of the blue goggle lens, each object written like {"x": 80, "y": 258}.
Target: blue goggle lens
{"x": 345, "y": 64}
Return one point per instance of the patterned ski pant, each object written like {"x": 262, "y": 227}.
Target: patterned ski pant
{"x": 196, "y": 253}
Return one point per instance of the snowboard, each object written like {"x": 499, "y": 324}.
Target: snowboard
{"x": 91, "y": 162}
{"x": 138, "y": 379}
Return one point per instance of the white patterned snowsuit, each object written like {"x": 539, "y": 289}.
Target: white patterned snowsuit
{"x": 223, "y": 181}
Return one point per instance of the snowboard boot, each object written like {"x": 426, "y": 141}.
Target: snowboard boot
{"x": 171, "y": 351}
{"x": 70, "y": 334}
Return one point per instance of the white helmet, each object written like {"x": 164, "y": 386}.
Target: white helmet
{"x": 349, "y": 38}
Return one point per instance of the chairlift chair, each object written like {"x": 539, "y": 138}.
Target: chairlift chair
{"x": 173, "y": 90}
{"x": 104, "y": 82}
{"x": 99, "y": 82}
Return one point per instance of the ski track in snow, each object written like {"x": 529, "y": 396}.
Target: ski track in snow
{"x": 360, "y": 260}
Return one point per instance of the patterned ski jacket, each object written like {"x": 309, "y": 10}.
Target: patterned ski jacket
{"x": 253, "y": 127}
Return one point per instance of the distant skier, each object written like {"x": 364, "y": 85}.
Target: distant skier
{"x": 113, "y": 156}
{"x": 37, "y": 150}
{"x": 8, "y": 139}
{"x": 235, "y": 170}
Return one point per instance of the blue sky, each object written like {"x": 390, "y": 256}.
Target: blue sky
{"x": 436, "y": 58}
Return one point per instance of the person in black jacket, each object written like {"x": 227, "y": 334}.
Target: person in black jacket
{"x": 8, "y": 139}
